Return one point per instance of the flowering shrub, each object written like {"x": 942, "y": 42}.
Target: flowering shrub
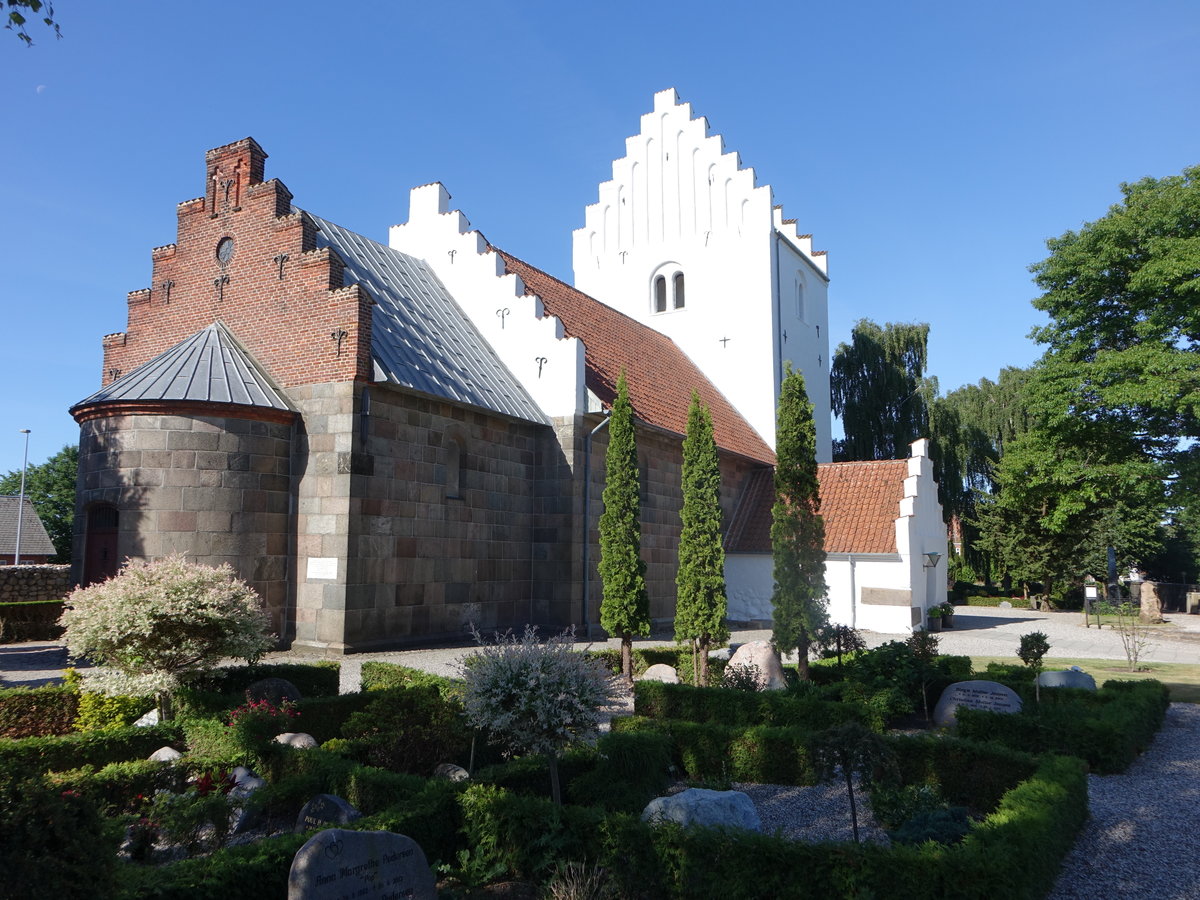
{"x": 534, "y": 696}
{"x": 201, "y": 818}
{"x": 157, "y": 621}
{"x": 255, "y": 723}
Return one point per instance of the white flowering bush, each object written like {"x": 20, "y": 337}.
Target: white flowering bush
{"x": 535, "y": 696}
{"x": 157, "y": 621}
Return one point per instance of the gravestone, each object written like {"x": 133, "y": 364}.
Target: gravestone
{"x": 986, "y": 695}
{"x": 761, "y": 655}
{"x": 1072, "y": 678}
{"x": 150, "y": 718}
{"x": 704, "y": 807}
{"x": 661, "y": 672}
{"x": 323, "y": 810}
{"x": 165, "y": 754}
{"x": 273, "y": 690}
{"x": 336, "y": 864}
{"x": 451, "y": 772}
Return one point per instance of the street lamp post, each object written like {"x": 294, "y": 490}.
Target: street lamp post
{"x": 21, "y": 501}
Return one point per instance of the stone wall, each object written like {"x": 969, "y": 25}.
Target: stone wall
{"x": 441, "y": 522}
{"x": 33, "y": 584}
{"x": 214, "y": 489}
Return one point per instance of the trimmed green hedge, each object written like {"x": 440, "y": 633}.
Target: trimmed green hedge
{"x": 36, "y": 755}
{"x": 379, "y": 676}
{"x": 319, "y": 678}
{"x": 1014, "y": 852}
{"x": 1108, "y": 728}
{"x": 656, "y": 700}
{"x": 678, "y": 658}
{"x": 429, "y": 815}
{"x": 31, "y": 620}
{"x": 37, "y": 712}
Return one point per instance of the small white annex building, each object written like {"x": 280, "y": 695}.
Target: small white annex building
{"x": 885, "y": 544}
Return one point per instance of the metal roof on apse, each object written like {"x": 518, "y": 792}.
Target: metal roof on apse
{"x": 420, "y": 338}
{"x": 210, "y": 366}
{"x": 34, "y": 539}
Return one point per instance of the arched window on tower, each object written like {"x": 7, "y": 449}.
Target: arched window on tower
{"x": 800, "y": 311}
{"x": 666, "y": 291}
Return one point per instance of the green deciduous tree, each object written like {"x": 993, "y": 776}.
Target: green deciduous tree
{"x": 50, "y": 486}
{"x": 1064, "y": 493}
{"x": 156, "y": 622}
{"x": 797, "y": 529}
{"x": 1034, "y": 646}
{"x": 625, "y": 609}
{"x": 1123, "y": 296}
{"x": 970, "y": 427}
{"x": 700, "y": 603}
{"x": 876, "y": 382}
{"x": 17, "y": 13}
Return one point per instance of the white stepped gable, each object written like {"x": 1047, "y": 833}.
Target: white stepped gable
{"x": 755, "y": 293}
{"x": 530, "y": 343}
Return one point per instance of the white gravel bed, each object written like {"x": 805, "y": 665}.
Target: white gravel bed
{"x": 813, "y": 814}
{"x": 1141, "y": 839}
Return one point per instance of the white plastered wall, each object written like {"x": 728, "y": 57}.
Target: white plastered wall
{"x": 678, "y": 198}
{"x": 530, "y": 343}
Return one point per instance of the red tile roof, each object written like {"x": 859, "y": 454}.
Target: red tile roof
{"x": 660, "y": 376}
{"x": 860, "y": 502}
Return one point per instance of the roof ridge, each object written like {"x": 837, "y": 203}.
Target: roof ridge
{"x": 571, "y": 287}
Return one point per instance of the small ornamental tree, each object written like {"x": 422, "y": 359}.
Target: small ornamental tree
{"x": 851, "y": 749}
{"x": 535, "y": 696}
{"x": 625, "y": 609}
{"x": 797, "y": 529}
{"x": 700, "y": 603}
{"x": 1033, "y": 647}
{"x": 157, "y": 622}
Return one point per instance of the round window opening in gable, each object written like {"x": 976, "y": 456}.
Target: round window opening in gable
{"x": 224, "y": 250}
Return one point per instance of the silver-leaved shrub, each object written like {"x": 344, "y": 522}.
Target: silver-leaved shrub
{"x": 156, "y": 622}
{"x": 535, "y": 696}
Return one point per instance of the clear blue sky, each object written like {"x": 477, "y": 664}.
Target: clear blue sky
{"x": 931, "y": 147}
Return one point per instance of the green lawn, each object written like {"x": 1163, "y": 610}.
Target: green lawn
{"x": 1182, "y": 679}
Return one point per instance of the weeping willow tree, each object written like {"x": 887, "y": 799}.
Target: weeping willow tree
{"x": 879, "y": 391}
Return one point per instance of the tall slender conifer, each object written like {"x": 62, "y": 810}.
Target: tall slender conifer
{"x": 625, "y": 609}
{"x": 797, "y": 529}
{"x": 700, "y": 603}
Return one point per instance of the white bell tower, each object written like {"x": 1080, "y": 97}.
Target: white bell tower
{"x": 684, "y": 241}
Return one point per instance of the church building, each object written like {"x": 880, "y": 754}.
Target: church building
{"x": 391, "y": 441}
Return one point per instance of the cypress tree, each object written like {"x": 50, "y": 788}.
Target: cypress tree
{"x": 700, "y": 603}
{"x": 797, "y": 529}
{"x": 625, "y": 609}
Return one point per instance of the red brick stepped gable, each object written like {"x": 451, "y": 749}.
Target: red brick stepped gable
{"x": 277, "y": 292}
{"x": 661, "y": 377}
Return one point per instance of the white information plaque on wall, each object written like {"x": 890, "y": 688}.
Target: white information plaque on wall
{"x": 322, "y": 568}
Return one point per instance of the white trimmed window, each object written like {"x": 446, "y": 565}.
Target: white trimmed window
{"x": 667, "y": 288}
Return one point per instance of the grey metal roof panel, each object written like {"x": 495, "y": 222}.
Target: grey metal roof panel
{"x": 210, "y": 366}
{"x": 34, "y": 539}
{"x": 420, "y": 338}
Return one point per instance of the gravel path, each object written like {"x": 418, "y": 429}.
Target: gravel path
{"x": 1140, "y": 841}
